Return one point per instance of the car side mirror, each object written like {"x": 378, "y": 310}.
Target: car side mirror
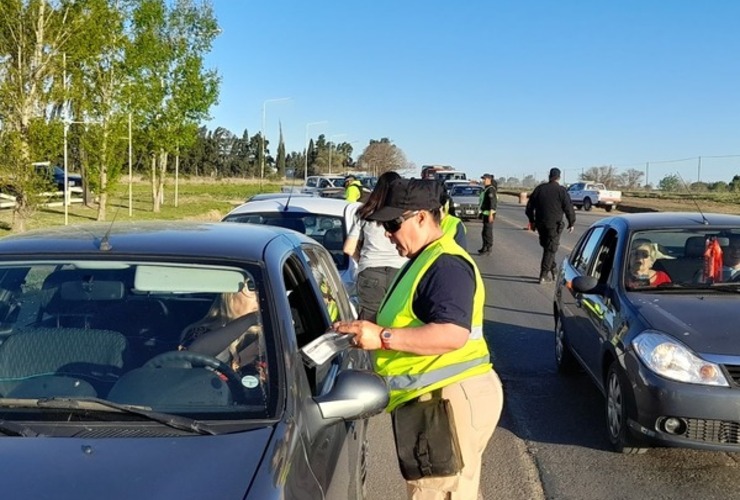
{"x": 356, "y": 394}
{"x": 588, "y": 284}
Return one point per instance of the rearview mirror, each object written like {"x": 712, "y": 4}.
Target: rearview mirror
{"x": 587, "y": 284}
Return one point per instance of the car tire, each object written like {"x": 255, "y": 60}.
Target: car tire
{"x": 587, "y": 204}
{"x": 564, "y": 358}
{"x": 609, "y": 208}
{"x": 617, "y": 411}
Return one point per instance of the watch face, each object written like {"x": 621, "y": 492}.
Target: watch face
{"x": 386, "y": 334}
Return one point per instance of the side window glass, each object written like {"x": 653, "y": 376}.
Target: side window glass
{"x": 332, "y": 289}
{"x": 604, "y": 257}
{"x": 587, "y": 249}
{"x": 311, "y": 182}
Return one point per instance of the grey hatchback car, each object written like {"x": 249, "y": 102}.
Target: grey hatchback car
{"x": 123, "y": 375}
{"x": 649, "y": 306}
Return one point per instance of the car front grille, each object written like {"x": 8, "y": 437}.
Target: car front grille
{"x": 713, "y": 431}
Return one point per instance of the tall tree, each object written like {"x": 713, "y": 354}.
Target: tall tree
{"x": 605, "y": 174}
{"x": 382, "y": 156}
{"x": 280, "y": 166}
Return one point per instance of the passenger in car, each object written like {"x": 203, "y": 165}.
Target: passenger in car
{"x": 731, "y": 259}
{"x": 641, "y": 272}
{"x": 230, "y": 331}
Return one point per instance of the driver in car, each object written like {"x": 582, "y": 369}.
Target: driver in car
{"x": 641, "y": 272}
{"x": 731, "y": 259}
{"x": 230, "y": 331}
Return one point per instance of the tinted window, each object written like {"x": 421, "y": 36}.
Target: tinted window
{"x": 585, "y": 251}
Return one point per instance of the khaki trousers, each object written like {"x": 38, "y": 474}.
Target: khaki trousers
{"x": 476, "y": 404}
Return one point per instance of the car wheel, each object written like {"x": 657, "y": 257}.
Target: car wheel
{"x": 609, "y": 208}
{"x": 587, "y": 204}
{"x": 564, "y": 358}
{"x": 616, "y": 413}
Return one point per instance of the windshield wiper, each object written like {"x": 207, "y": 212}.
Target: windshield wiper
{"x": 97, "y": 404}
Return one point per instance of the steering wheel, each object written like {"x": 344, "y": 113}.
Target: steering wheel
{"x": 190, "y": 359}
{"x": 735, "y": 278}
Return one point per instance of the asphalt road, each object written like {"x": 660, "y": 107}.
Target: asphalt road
{"x": 551, "y": 441}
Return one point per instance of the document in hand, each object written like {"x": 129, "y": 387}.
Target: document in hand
{"x": 322, "y": 349}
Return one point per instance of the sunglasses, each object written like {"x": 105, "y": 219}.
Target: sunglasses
{"x": 394, "y": 225}
{"x": 641, "y": 254}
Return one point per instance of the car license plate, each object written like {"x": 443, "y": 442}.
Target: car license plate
{"x": 470, "y": 212}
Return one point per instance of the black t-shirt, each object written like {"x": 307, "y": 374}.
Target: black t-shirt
{"x": 445, "y": 293}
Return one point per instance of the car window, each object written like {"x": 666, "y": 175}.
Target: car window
{"x": 311, "y": 182}
{"x": 604, "y": 257}
{"x": 584, "y": 252}
{"x": 332, "y": 289}
{"x": 122, "y": 331}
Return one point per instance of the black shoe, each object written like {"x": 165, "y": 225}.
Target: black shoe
{"x": 545, "y": 279}
{"x": 484, "y": 251}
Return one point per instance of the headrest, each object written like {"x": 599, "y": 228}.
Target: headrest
{"x": 694, "y": 246}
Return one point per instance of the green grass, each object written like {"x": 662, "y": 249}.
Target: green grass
{"x": 198, "y": 199}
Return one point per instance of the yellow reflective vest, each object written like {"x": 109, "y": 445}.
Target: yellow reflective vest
{"x": 353, "y": 191}
{"x": 411, "y": 375}
{"x": 449, "y": 225}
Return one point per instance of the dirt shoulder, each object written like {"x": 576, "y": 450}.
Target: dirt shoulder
{"x": 633, "y": 205}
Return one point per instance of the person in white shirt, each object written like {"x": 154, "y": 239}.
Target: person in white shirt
{"x": 377, "y": 258}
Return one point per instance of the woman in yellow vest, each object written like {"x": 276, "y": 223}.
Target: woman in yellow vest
{"x": 429, "y": 333}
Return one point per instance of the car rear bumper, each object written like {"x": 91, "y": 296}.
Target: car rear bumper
{"x": 709, "y": 417}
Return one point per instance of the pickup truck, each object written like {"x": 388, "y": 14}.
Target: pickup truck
{"x": 315, "y": 184}
{"x": 593, "y": 194}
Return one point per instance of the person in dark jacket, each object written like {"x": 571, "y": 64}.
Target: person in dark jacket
{"x": 488, "y": 206}
{"x": 545, "y": 209}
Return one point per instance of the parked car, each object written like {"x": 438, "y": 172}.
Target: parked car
{"x": 593, "y": 194}
{"x": 55, "y": 175}
{"x": 638, "y": 306}
{"x": 326, "y": 220}
{"x": 466, "y": 200}
{"x": 98, "y": 399}
{"x": 315, "y": 184}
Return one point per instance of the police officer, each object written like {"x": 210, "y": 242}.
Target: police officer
{"x": 488, "y": 204}
{"x": 545, "y": 209}
{"x": 352, "y": 189}
{"x": 429, "y": 332}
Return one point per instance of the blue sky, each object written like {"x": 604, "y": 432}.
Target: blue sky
{"x": 502, "y": 86}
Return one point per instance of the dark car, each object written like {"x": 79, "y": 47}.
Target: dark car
{"x": 466, "y": 200}
{"x": 110, "y": 387}
{"x": 649, "y": 306}
{"x": 55, "y": 175}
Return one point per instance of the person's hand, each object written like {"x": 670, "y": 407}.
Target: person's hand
{"x": 491, "y": 217}
{"x": 570, "y": 229}
{"x": 531, "y": 227}
{"x": 367, "y": 333}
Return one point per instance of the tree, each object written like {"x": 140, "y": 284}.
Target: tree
{"x": 734, "y": 184}
{"x": 280, "y": 166}
{"x": 670, "y": 183}
{"x": 383, "y": 156}
{"x": 169, "y": 40}
{"x": 605, "y": 174}
{"x": 632, "y": 179}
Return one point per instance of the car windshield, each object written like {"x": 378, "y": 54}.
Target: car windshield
{"x": 466, "y": 191}
{"x": 326, "y": 229}
{"x": 682, "y": 258}
{"x": 179, "y": 339}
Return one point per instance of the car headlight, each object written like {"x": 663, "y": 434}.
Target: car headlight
{"x": 456, "y": 205}
{"x": 671, "y": 359}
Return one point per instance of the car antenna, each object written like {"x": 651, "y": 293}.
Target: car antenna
{"x": 104, "y": 245}
{"x": 292, "y": 186}
{"x": 693, "y": 198}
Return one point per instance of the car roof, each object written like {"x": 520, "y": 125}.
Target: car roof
{"x": 312, "y": 204}
{"x": 177, "y": 239}
{"x": 670, "y": 220}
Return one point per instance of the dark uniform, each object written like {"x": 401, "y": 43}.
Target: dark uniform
{"x": 545, "y": 209}
{"x": 488, "y": 206}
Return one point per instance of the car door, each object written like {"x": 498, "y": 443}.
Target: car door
{"x": 600, "y": 310}
{"x": 337, "y": 450}
{"x": 575, "y": 319}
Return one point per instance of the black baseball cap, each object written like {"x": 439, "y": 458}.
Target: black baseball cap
{"x": 554, "y": 173}
{"x": 408, "y": 194}
{"x": 486, "y": 176}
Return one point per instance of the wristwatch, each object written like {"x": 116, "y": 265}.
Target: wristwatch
{"x": 385, "y": 339}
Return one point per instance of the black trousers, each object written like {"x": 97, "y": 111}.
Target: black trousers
{"x": 550, "y": 242}
{"x": 372, "y": 284}
{"x": 487, "y": 234}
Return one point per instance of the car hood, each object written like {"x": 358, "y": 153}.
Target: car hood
{"x": 707, "y": 323}
{"x": 132, "y": 467}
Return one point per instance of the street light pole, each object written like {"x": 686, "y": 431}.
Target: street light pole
{"x": 305, "y": 165}
{"x": 262, "y": 135}
{"x": 130, "y": 171}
